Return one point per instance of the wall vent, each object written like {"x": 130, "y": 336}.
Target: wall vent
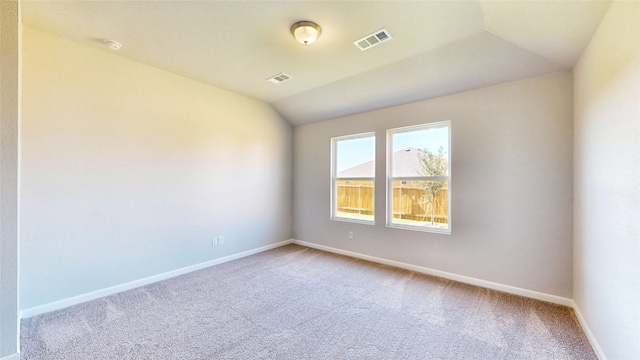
{"x": 279, "y": 78}
{"x": 373, "y": 39}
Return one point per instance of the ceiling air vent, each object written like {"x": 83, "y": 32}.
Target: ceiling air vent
{"x": 278, "y": 79}
{"x": 372, "y": 40}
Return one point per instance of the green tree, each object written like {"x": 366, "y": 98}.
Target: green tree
{"x": 432, "y": 165}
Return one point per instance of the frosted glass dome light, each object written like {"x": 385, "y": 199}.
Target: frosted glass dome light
{"x": 305, "y": 32}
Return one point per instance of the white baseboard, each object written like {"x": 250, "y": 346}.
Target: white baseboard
{"x": 60, "y": 304}
{"x": 443, "y": 274}
{"x": 585, "y": 327}
{"x": 11, "y": 357}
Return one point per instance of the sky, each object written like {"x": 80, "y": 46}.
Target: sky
{"x": 352, "y": 152}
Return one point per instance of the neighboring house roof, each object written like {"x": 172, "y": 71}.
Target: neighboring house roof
{"x": 364, "y": 170}
{"x": 405, "y": 163}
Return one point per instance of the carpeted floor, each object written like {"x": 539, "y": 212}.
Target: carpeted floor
{"x": 299, "y": 303}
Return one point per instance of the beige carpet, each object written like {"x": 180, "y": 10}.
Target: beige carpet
{"x": 300, "y": 303}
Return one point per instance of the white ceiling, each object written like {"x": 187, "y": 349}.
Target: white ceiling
{"x": 438, "y": 47}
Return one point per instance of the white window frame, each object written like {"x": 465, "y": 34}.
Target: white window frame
{"x": 334, "y": 177}
{"x": 389, "y": 210}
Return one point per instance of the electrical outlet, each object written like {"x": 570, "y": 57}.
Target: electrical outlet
{"x": 214, "y": 241}
{"x": 350, "y": 235}
{"x": 220, "y": 240}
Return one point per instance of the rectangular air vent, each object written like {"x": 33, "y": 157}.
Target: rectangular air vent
{"x": 280, "y": 78}
{"x": 373, "y": 39}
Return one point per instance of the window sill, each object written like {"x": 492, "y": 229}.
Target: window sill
{"x": 357, "y": 221}
{"x": 421, "y": 228}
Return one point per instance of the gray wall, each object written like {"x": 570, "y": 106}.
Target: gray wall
{"x": 129, "y": 171}
{"x": 607, "y": 183}
{"x": 511, "y": 185}
{"x": 10, "y": 26}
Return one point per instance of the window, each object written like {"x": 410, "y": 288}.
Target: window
{"x": 352, "y": 178}
{"x": 419, "y": 177}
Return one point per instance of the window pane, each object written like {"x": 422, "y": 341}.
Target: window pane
{"x": 355, "y": 199}
{"x": 421, "y": 203}
{"x": 356, "y": 157}
{"x": 419, "y": 181}
{"x": 420, "y": 152}
{"x": 353, "y": 184}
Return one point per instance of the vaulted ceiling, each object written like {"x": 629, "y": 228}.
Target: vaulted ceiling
{"x": 438, "y": 47}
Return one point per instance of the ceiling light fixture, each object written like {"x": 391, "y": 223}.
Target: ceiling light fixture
{"x": 113, "y": 45}
{"x": 305, "y": 32}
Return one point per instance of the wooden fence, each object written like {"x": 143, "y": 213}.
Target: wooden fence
{"x": 409, "y": 203}
{"x": 357, "y": 197}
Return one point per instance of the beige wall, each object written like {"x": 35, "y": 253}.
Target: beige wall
{"x": 607, "y": 183}
{"x": 511, "y": 186}
{"x": 129, "y": 171}
{"x": 10, "y": 27}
